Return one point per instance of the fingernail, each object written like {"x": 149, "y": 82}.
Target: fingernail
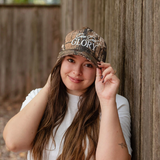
{"x": 101, "y": 76}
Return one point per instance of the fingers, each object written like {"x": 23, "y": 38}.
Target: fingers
{"x": 106, "y": 68}
{"x": 109, "y": 77}
{"x": 98, "y": 74}
{"x": 107, "y": 72}
{"x": 103, "y": 65}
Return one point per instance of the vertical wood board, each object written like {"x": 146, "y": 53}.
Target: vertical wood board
{"x": 156, "y": 82}
{"x": 30, "y": 42}
{"x": 132, "y": 85}
{"x": 147, "y": 82}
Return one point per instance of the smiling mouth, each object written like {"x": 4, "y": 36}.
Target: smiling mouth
{"x": 75, "y": 80}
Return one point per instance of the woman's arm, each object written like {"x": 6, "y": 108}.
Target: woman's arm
{"x": 21, "y": 129}
{"x": 111, "y": 143}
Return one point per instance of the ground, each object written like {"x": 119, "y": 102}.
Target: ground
{"x": 7, "y": 110}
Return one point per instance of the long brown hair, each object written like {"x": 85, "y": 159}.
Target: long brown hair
{"x": 84, "y": 128}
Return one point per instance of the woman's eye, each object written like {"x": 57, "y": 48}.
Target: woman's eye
{"x": 89, "y": 65}
{"x": 71, "y": 60}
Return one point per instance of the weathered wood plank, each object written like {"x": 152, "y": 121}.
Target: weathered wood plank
{"x": 147, "y": 82}
{"x": 67, "y": 12}
{"x": 132, "y": 80}
{"x": 63, "y": 18}
{"x": 114, "y": 36}
{"x": 6, "y": 33}
{"x": 30, "y": 42}
{"x": 78, "y": 12}
{"x": 85, "y": 13}
{"x": 90, "y": 14}
{"x": 106, "y": 23}
{"x": 18, "y": 56}
{"x": 156, "y": 82}
{"x": 97, "y": 17}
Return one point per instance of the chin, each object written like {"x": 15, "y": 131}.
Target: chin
{"x": 76, "y": 90}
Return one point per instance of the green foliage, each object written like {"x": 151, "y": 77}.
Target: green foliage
{"x": 42, "y": 2}
{"x": 21, "y": 1}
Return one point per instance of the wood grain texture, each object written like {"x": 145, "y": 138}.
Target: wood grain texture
{"x": 156, "y": 82}
{"x": 6, "y": 34}
{"x": 114, "y": 36}
{"x": 30, "y": 41}
{"x": 68, "y": 17}
{"x": 132, "y": 86}
{"x": 147, "y": 82}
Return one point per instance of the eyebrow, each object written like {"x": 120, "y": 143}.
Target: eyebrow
{"x": 73, "y": 56}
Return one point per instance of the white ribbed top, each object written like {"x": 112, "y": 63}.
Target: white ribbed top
{"x": 52, "y": 152}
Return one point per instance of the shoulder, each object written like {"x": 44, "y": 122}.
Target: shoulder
{"x": 30, "y": 96}
{"x": 34, "y": 92}
{"x": 122, "y": 102}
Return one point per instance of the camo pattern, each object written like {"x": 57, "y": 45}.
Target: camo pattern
{"x": 84, "y": 42}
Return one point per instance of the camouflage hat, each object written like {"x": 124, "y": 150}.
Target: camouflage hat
{"x": 84, "y": 42}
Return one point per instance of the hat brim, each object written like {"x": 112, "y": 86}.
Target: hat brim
{"x": 76, "y": 52}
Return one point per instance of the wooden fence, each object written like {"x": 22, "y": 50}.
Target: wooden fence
{"x": 131, "y": 29}
{"x": 30, "y": 40}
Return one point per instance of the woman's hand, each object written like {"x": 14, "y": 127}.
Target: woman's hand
{"x": 110, "y": 134}
{"x": 106, "y": 82}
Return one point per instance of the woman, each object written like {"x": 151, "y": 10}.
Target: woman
{"x": 77, "y": 115}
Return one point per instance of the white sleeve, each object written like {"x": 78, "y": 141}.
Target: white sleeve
{"x": 125, "y": 119}
{"x": 30, "y": 96}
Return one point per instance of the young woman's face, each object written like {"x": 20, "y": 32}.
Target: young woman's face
{"x": 77, "y": 74}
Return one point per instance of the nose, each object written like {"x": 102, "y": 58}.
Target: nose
{"x": 77, "y": 70}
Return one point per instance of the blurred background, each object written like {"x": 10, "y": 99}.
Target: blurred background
{"x": 31, "y": 34}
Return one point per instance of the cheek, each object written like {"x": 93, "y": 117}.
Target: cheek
{"x": 91, "y": 75}
{"x": 63, "y": 68}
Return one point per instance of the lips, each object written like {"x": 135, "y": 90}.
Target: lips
{"x": 75, "y": 80}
